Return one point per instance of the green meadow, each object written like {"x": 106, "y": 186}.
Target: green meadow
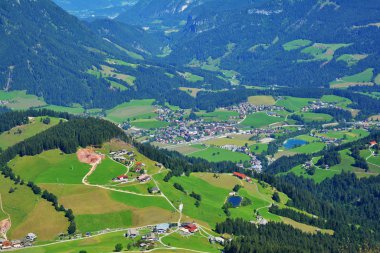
{"x": 293, "y": 103}
{"x": 149, "y": 123}
{"x": 218, "y": 115}
{"x": 19, "y": 100}
{"x": 351, "y": 59}
{"x": 296, "y": 44}
{"x": 260, "y": 119}
{"x": 78, "y": 109}
{"x": 135, "y": 109}
{"x": 50, "y": 167}
{"x": 312, "y": 117}
{"x": 195, "y": 242}
{"x": 30, "y": 213}
{"x": 261, "y": 100}
{"x": 321, "y": 51}
{"x": 362, "y": 78}
{"x": 309, "y": 148}
{"x": 106, "y": 171}
{"x": 339, "y": 101}
{"x": 214, "y": 154}
{"x": 20, "y": 133}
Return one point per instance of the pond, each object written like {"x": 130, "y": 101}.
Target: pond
{"x": 293, "y": 143}
{"x": 235, "y": 200}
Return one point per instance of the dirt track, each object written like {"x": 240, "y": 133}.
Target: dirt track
{"x": 89, "y": 156}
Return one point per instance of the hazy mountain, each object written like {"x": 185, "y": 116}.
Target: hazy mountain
{"x": 95, "y": 8}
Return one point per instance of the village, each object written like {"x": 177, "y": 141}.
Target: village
{"x": 27, "y": 241}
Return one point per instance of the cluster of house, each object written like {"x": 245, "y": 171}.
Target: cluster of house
{"x": 255, "y": 163}
{"x": 149, "y": 238}
{"x": 247, "y": 108}
{"x": 242, "y": 176}
{"x": 168, "y": 115}
{"x": 27, "y": 241}
{"x": 119, "y": 156}
{"x": 184, "y": 132}
{"x": 318, "y": 104}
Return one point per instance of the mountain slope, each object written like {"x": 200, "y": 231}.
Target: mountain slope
{"x": 46, "y": 51}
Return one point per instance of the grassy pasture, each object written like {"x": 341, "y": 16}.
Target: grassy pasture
{"x": 122, "y": 63}
{"x": 229, "y": 141}
{"x": 261, "y": 100}
{"x": 348, "y": 136}
{"x": 309, "y": 148}
{"x": 218, "y": 115}
{"x": 293, "y": 103}
{"x": 19, "y": 100}
{"x": 195, "y": 242}
{"x": 214, "y": 154}
{"x": 30, "y": 213}
{"x": 50, "y": 167}
{"x": 149, "y": 123}
{"x": 351, "y": 59}
{"x": 260, "y": 119}
{"x": 339, "y": 101}
{"x": 106, "y": 171}
{"x": 192, "y": 91}
{"x": 321, "y": 51}
{"x": 311, "y": 117}
{"x": 191, "y": 77}
{"x": 362, "y": 78}
{"x": 377, "y": 79}
{"x": 259, "y": 148}
{"x": 135, "y": 109}
{"x": 73, "y": 110}
{"x": 296, "y": 44}
{"x": 13, "y": 136}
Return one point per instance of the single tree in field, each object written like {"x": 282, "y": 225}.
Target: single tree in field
{"x": 118, "y": 247}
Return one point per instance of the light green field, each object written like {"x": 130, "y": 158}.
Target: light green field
{"x": 260, "y": 119}
{"x": 377, "y": 79}
{"x": 213, "y": 154}
{"x": 253, "y": 48}
{"x": 73, "y": 110}
{"x": 50, "y": 167}
{"x": 122, "y": 63}
{"x": 322, "y": 174}
{"x": 192, "y": 77}
{"x": 13, "y": 136}
{"x": 296, "y": 44}
{"x": 30, "y": 213}
{"x": 261, "y": 100}
{"x": 259, "y": 148}
{"x": 106, "y": 171}
{"x": 321, "y": 51}
{"x": 339, "y": 101}
{"x": 352, "y": 59}
{"x": 149, "y": 123}
{"x": 362, "y": 78}
{"x": 315, "y": 117}
{"x": 348, "y": 136}
{"x": 135, "y": 109}
{"x": 213, "y": 192}
{"x": 192, "y": 91}
{"x": 308, "y": 148}
{"x": 194, "y": 242}
{"x": 229, "y": 141}
{"x": 293, "y": 103}
{"x": 116, "y": 85}
{"x": 19, "y": 100}
{"x": 218, "y": 115}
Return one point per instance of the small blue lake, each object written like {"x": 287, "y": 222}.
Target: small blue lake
{"x": 235, "y": 201}
{"x": 293, "y": 143}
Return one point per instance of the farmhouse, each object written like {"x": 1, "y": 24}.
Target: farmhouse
{"x": 132, "y": 233}
{"x": 122, "y": 178}
{"x": 6, "y": 245}
{"x": 372, "y": 143}
{"x": 152, "y": 237}
{"x": 240, "y": 175}
{"x": 16, "y": 244}
{"x": 154, "y": 190}
{"x": 162, "y": 228}
{"x": 190, "y": 227}
{"x": 144, "y": 178}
